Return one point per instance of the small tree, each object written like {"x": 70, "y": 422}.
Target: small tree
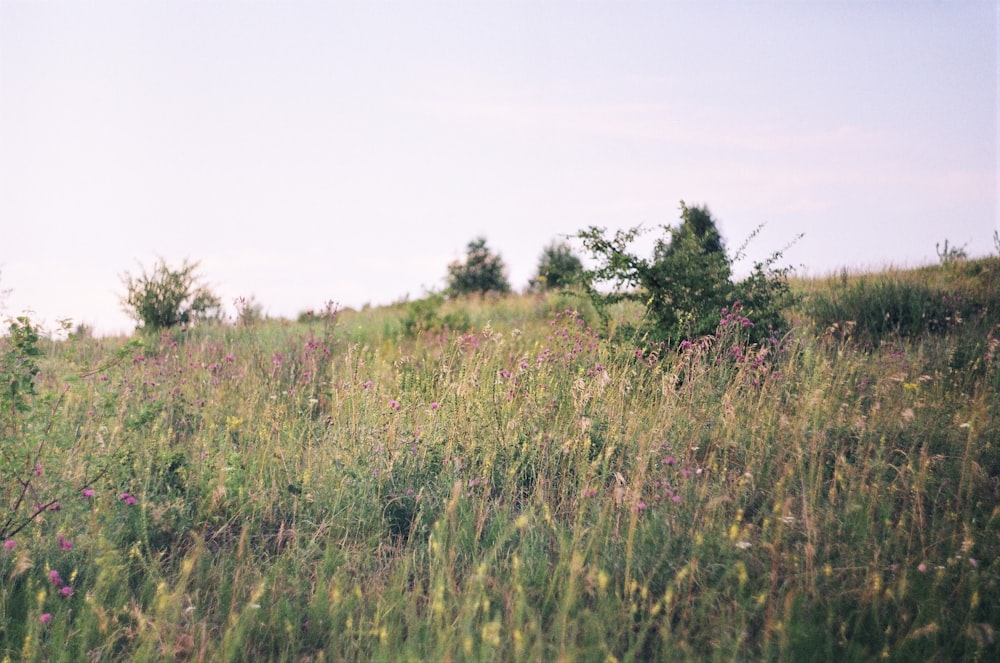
{"x": 687, "y": 282}
{"x": 167, "y": 297}
{"x": 482, "y": 271}
{"x": 558, "y": 267}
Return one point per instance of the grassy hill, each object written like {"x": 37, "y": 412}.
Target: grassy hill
{"x": 494, "y": 480}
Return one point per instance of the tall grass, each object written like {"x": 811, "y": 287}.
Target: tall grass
{"x": 520, "y": 490}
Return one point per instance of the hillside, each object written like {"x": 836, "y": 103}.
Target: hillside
{"x": 494, "y": 479}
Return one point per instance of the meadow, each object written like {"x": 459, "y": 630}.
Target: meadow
{"x": 496, "y": 479}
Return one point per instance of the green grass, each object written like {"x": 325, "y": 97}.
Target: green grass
{"x": 520, "y": 489}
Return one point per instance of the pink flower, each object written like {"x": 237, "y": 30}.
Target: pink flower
{"x": 54, "y": 577}
{"x": 10, "y": 544}
{"x": 368, "y": 385}
{"x": 88, "y": 492}
{"x": 394, "y": 404}
{"x": 66, "y": 591}
{"x": 434, "y": 405}
{"x": 45, "y": 618}
{"x": 128, "y": 498}
{"x": 38, "y": 469}
{"x": 922, "y": 567}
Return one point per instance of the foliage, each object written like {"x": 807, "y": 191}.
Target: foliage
{"x": 521, "y": 491}
{"x": 167, "y": 297}
{"x": 19, "y": 354}
{"x": 249, "y": 312}
{"x": 558, "y": 267}
{"x": 482, "y": 271}
{"x": 950, "y": 254}
{"x": 425, "y": 316}
{"x": 687, "y": 281}
{"x": 875, "y": 308}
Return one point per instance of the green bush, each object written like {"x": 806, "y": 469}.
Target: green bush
{"x": 558, "y": 267}
{"x": 482, "y": 271}
{"x": 424, "y": 316}
{"x": 687, "y": 282}
{"x": 166, "y": 297}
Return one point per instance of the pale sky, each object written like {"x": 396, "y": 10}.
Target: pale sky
{"x": 309, "y": 151}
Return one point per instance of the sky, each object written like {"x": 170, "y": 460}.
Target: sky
{"x": 304, "y": 152}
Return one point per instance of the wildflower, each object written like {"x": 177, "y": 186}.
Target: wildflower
{"x": 45, "y": 618}
{"x": 128, "y": 498}
{"x": 922, "y": 567}
{"x": 38, "y": 469}
{"x": 368, "y": 384}
{"x": 9, "y": 544}
{"x": 54, "y": 578}
{"x": 669, "y": 460}
{"x": 66, "y": 591}
{"x": 684, "y": 345}
{"x": 394, "y": 404}
{"x": 743, "y": 545}
{"x": 64, "y": 543}
{"x": 434, "y": 405}
{"x": 589, "y": 492}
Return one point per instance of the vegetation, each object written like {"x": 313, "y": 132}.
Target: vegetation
{"x": 959, "y": 296}
{"x": 482, "y": 272}
{"x": 687, "y": 281}
{"x": 521, "y": 490}
{"x": 558, "y": 267}
{"x": 167, "y": 297}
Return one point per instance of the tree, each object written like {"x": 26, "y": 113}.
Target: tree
{"x": 482, "y": 271}
{"x": 167, "y": 297}
{"x": 558, "y": 267}
{"x": 688, "y": 280}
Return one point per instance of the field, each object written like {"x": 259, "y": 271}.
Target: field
{"x": 381, "y": 486}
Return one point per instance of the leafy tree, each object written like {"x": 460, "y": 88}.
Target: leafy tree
{"x": 558, "y": 267}
{"x": 687, "y": 282}
{"x": 167, "y": 297}
{"x": 482, "y": 271}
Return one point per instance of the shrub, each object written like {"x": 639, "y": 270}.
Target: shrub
{"x": 950, "y": 254}
{"x": 558, "y": 267}
{"x": 167, "y": 297}
{"x": 482, "y": 271}
{"x": 249, "y": 312}
{"x": 688, "y": 280}
{"x": 424, "y": 316}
